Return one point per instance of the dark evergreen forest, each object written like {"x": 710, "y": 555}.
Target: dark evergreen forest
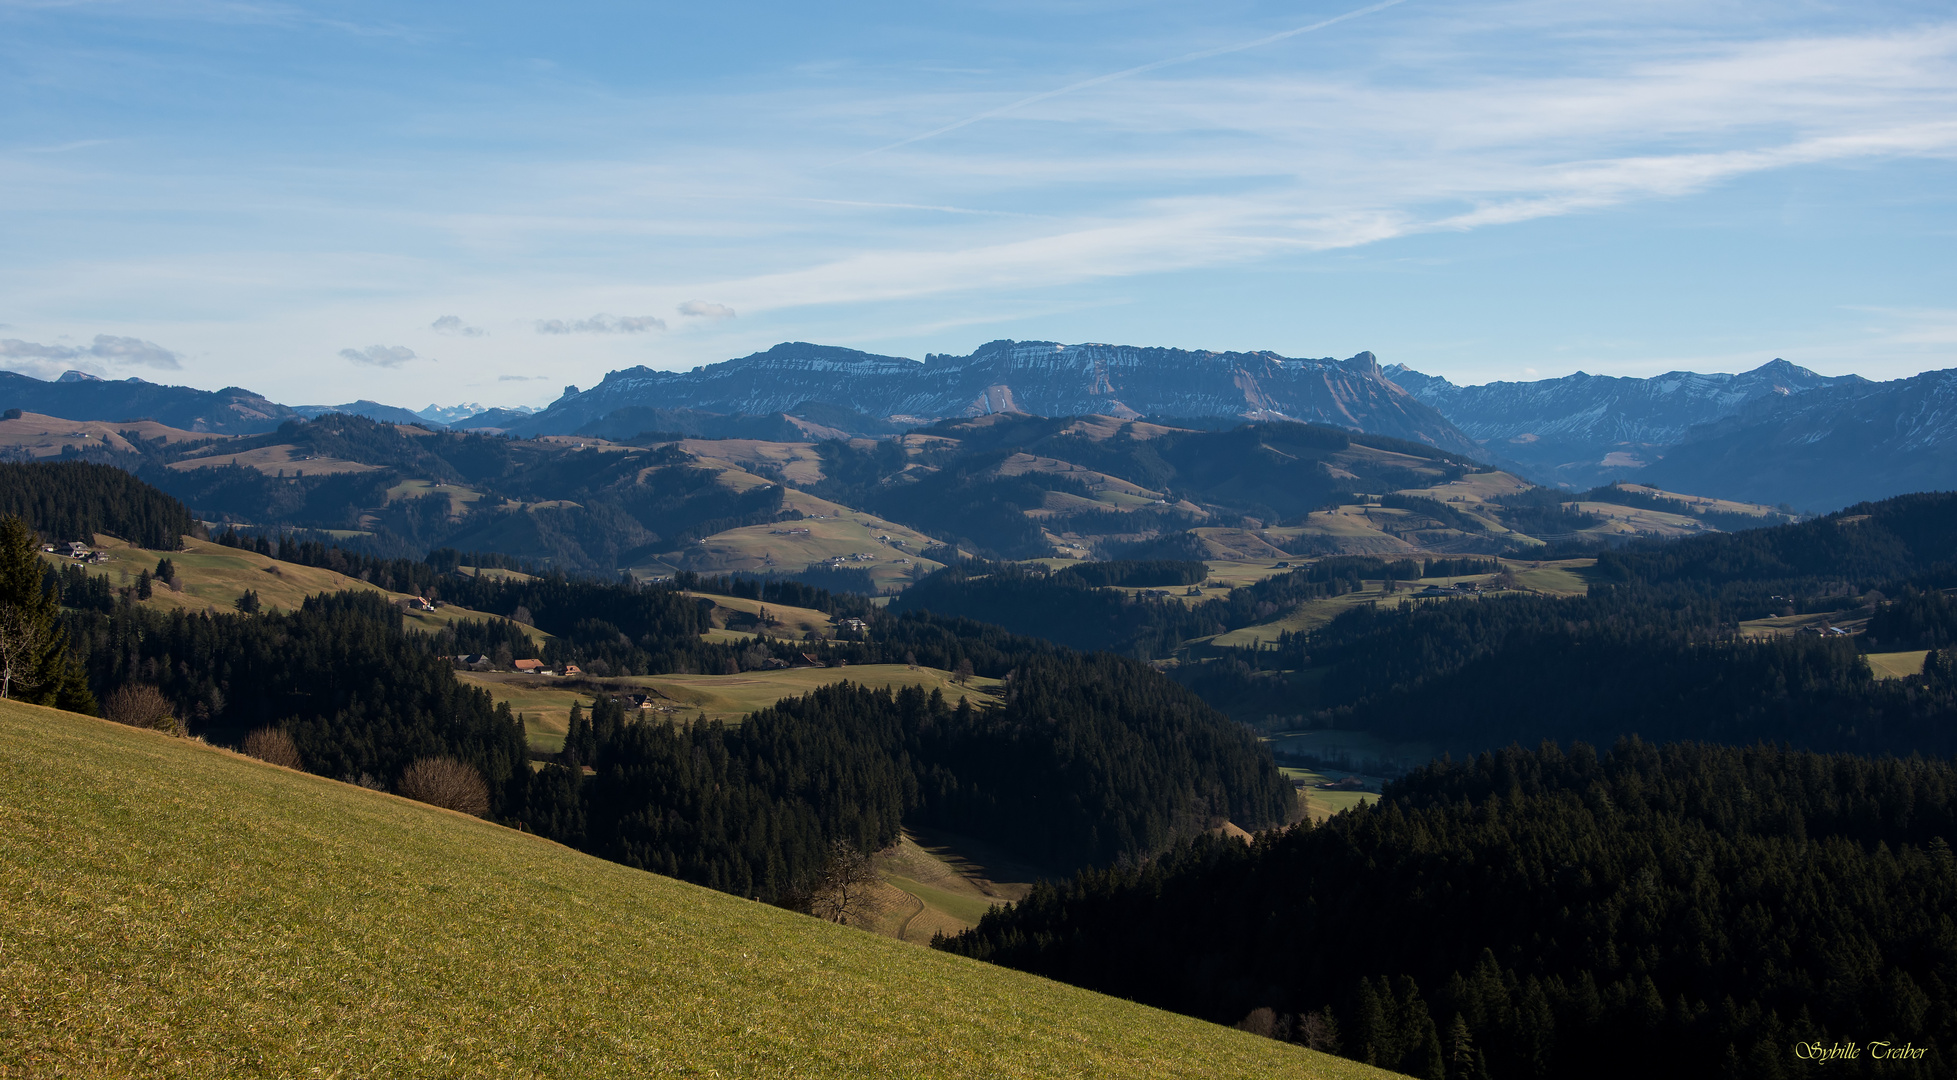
{"x": 73, "y": 500}
{"x": 1082, "y": 764}
{"x": 1685, "y": 909}
{"x": 361, "y": 696}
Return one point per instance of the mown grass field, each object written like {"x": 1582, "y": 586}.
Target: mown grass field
{"x": 938, "y": 882}
{"x": 1896, "y": 665}
{"x": 214, "y": 576}
{"x": 173, "y": 910}
{"x": 1563, "y": 577}
{"x": 274, "y": 460}
{"x": 460, "y": 499}
{"x": 546, "y": 701}
{"x": 798, "y": 620}
{"x": 40, "y": 435}
{"x": 833, "y": 531}
{"x": 1321, "y": 804}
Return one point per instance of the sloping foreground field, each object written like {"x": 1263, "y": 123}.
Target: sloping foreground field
{"x": 175, "y": 910}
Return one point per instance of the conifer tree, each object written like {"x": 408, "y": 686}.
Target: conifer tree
{"x": 34, "y": 661}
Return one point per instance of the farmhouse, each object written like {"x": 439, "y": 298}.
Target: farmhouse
{"x": 75, "y": 549}
{"x": 532, "y": 667}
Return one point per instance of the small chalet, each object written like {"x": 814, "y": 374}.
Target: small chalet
{"x": 853, "y": 624}
{"x": 75, "y": 549}
{"x": 809, "y": 660}
{"x": 532, "y": 667}
{"x": 473, "y": 661}
{"x": 572, "y": 669}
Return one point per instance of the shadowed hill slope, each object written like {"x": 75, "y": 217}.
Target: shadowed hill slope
{"x": 174, "y": 910}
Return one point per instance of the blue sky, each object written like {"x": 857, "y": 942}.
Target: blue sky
{"x": 485, "y": 202}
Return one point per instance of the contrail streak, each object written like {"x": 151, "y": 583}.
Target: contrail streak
{"x": 1186, "y": 58}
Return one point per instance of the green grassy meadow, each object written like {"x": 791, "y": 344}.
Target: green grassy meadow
{"x": 939, "y": 882}
{"x": 214, "y": 576}
{"x": 175, "y": 910}
{"x": 797, "y": 620}
{"x": 1896, "y": 665}
{"x": 1322, "y": 804}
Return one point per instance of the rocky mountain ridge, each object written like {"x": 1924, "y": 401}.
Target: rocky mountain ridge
{"x": 1037, "y": 377}
{"x": 1779, "y": 434}
{"x": 1827, "y": 448}
{"x": 1582, "y": 430}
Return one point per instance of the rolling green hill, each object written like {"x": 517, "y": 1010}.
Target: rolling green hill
{"x": 176, "y": 910}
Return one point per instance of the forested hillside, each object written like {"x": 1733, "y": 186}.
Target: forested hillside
{"x": 1655, "y": 648}
{"x": 1072, "y": 606}
{"x": 1519, "y": 914}
{"x": 361, "y": 697}
{"x": 1083, "y": 764}
{"x": 73, "y": 500}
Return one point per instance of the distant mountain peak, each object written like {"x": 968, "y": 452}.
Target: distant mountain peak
{"x": 1582, "y": 430}
{"x": 1046, "y": 378}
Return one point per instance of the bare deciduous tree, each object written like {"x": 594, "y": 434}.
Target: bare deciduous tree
{"x": 23, "y": 639}
{"x": 274, "y": 745}
{"x": 144, "y": 706}
{"x": 447, "y": 783}
{"x": 843, "y": 887}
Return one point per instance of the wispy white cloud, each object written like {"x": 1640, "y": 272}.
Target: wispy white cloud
{"x": 105, "y": 347}
{"x": 602, "y": 324}
{"x": 1330, "y": 163}
{"x": 1127, "y": 73}
{"x": 453, "y": 324}
{"x": 702, "y": 309}
{"x": 386, "y": 356}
